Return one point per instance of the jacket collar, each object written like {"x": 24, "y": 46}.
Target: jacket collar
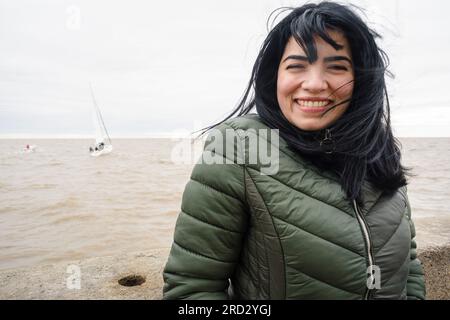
{"x": 369, "y": 192}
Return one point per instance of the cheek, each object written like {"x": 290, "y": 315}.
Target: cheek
{"x": 285, "y": 87}
{"x": 344, "y": 88}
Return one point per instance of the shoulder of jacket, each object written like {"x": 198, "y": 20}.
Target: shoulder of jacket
{"x": 248, "y": 121}
{"x": 403, "y": 191}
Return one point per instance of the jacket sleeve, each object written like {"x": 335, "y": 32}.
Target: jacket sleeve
{"x": 210, "y": 226}
{"x": 415, "y": 287}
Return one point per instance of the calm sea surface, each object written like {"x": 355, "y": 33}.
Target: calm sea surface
{"x": 60, "y": 204}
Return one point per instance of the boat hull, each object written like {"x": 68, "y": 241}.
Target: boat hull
{"x": 107, "y": 149}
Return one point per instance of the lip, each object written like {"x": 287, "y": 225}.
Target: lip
{"x": 313, "y": 99}
{"x": 312, "y": 110}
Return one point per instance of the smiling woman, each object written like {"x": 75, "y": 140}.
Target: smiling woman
{"x": 334, "y": 221}
{"x": 314, "y": 95}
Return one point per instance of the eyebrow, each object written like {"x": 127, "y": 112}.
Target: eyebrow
{"x": 337, "y": 58}
{"x": 326, "y": 59}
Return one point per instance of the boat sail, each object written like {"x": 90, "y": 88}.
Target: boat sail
{"x": 103, "y": 144}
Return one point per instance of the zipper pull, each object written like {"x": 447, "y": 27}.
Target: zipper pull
{"x": 327, "y": 144}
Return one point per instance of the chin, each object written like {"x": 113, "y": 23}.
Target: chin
{"x": 308, "y": 125}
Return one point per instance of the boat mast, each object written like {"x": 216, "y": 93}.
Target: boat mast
{"x": 98, "y": 112}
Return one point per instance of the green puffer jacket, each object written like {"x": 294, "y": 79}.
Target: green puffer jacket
{"x": 246, "y": 234}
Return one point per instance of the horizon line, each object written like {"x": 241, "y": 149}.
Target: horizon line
{"x": 144, "y": 136}
{"x": 90, "y": 137}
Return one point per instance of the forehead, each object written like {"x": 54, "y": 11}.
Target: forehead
{"x": 322, "y": 46}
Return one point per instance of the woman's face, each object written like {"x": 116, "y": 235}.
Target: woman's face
{"x": 305, "y": 91}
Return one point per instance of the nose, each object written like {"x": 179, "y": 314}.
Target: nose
{"x": 315, "y": 82}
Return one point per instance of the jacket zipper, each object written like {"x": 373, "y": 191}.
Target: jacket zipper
{"x": 364, "y": 227}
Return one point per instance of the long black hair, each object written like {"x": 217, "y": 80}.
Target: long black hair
{"x": 363, "y": 146}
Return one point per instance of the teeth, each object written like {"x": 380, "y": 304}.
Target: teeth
{"x": 312, "y": 104}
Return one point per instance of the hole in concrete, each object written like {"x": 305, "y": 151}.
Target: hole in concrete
{"x": 131, "y": 281}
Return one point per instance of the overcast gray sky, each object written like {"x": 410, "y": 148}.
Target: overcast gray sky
{"x": 161, "y": 66}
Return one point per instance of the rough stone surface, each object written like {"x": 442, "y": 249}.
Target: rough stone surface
{"x": 436, "y": 264}
{"x": 100, "y": 276}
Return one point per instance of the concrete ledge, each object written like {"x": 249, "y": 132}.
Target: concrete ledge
{"x": 436, "y": 265}
{"x": 100, "y": 276}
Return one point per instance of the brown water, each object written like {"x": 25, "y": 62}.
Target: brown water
{"x": 60, "y": 204}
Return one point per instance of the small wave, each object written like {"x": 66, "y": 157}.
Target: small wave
{"x": 67, "y": 203}
{"x": 166, "y": 197}
{"x": 49, "y": 164}
{"x": 40, "y": 186}
{"x": 171, "y": 213}
{"x": 8, "y": 209}
{"x": 162, "y": 161}
{"x": 55, "y": 164}
{"x": 71, "y": 218}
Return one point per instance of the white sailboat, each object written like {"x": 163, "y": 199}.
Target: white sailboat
{"x": 103, "y": 143}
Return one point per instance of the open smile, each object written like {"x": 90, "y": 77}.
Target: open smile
{"x": 310, "y": 103}
{"x": 313, "y": 106}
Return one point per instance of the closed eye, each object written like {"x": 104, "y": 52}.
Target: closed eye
{"x": 338, "y": 67}
{"x": 295, "y": 66}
